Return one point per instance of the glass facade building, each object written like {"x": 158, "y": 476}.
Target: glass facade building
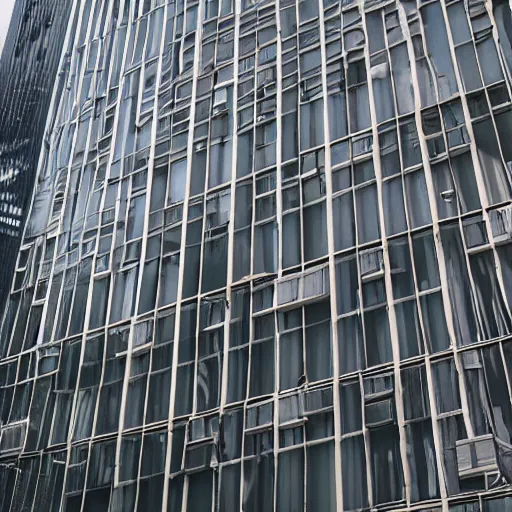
{"x": 268, "y": 263}
{"x": 28, "y": 67}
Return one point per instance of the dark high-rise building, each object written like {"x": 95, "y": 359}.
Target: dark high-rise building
{"x": 28, "y": 77}
{"x": 267, "y": 264}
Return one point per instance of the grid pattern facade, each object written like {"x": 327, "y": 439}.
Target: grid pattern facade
{"x": 267, "y": 265}
{"x": 28, "y": 66}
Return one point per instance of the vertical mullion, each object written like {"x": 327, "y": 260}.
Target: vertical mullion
{"x": 443, "y": 276}
{"x": 332, "y": 269}
{"x": 387, "y": 270}
{"x": 190, "y": 150}
{"x": 231, "y": 227}
{"x": 279, "y": 224}
{"x": 142, "y": 256}
{"x": 144, "y": 249}
{"x": 428, "y": 368}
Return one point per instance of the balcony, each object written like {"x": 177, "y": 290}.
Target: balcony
{"x": 501, "y": 224}
{"x": 476, "y": 456}
{"x": 308, "y": 286}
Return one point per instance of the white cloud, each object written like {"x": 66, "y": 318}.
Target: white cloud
{"x": 5, "y": 18}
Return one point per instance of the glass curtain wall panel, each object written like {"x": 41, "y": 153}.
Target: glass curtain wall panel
{"x": 267, "y": 262}
{"x": 29, "y": 79}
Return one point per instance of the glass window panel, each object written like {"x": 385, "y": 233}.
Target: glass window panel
{"x": 409, "y": 329}
{"x": 290, "y": 481}
{"x": 320, "y": 485}
{"x": 355, "y": 493}
{"x": 394, "y": 211}
{"x": 446, "y": 386}
{"x": 291, "y": 239}
{"x": 458, "y": 285}
{"x": 229, "y": 495}
{"x": 378, "y": 338}
{"x": 291, "y": 366}
{"x": 468, "y": 66}
{"x": 315, "y": 231}
{"x": 318, "y": 341}
{"x": 258, "y": 492}
{"x": 237, "y": 377}
{"x": 418, "y": 206}
{"x": 311, "y": 124}
{"x": 496, "y": 182}
{"x": 434, "y": 322}
{"x": 437, "y": 42}
{"x": 344, "y": 223}
{"x": 351, "y": 345}
{"x": 387, "y": 472}
{"x": 367, "y": 214}
{"x": 494, "y": 317}
{"x": 422, "y": 461}
{"x": 382, "y": 88}
{"x": 350, "y": 397}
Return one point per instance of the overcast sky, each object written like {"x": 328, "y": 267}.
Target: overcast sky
{"x": 5, "y": 17}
